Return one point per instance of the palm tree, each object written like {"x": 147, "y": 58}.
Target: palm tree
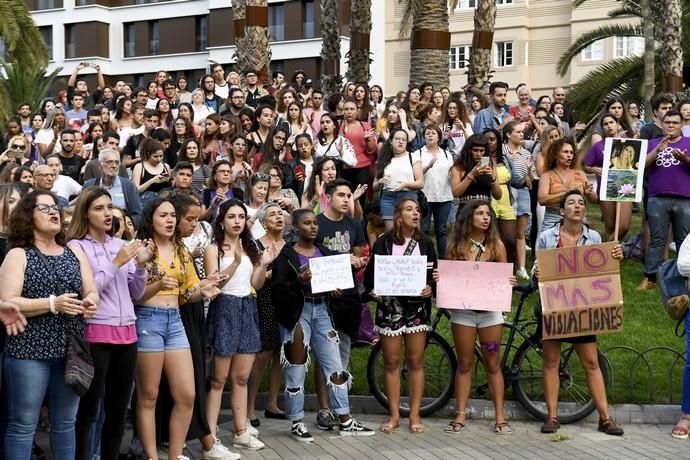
{"x": 430, "y": 39}
{"x": 24, "y": 83}
{"x": 672, "y": 50}
{"x": 360, "y": 28}
{"x": 23, "y": 41}
{"x": 479, "y": 67}
{"x": 648, "y": 26}
{"x": 330, "y": 47}
{"x": 622, "y": 77}
{"x": 258, "y": 52}
{"x": 239, "y": 12}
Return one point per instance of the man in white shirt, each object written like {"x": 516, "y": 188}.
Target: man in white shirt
{"x": 63, "y": 186}
{"x": 221, "y": 88}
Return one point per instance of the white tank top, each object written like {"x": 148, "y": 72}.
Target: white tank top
{"x": 240, "y": 285}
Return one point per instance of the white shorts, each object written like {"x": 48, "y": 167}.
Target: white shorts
{"x": 475, "y": 318}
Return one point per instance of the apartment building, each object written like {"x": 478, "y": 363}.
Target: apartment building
{"x": 529, "y": 38}
{"x": 132, "y": 39}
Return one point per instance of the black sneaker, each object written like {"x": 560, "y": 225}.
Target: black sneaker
{"x": 353, "y": 428}
{"x": 300, "y": 433}
{"x": 325, "y": 420}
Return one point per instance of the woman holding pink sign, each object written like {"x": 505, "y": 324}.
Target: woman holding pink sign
{"x": 403, "y": 319}
{"x": 475, "y": 238}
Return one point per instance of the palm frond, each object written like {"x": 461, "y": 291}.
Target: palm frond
{"x": 625, "y": 10}
{"x": 600, "y": 33}
{"x": 22, "y": 38}
{"x": 411, "y": 10}
{"x": 24, "y": 83}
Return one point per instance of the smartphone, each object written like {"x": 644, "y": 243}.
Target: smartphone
{"x": 484, "y": 162}
{"x": 299, "y": 170}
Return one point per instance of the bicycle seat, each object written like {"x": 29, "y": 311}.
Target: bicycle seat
{"x": 526, "y": 288}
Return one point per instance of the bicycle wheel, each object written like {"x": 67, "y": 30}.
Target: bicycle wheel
{"x": 439, "y": 367}
{"x": 574, "y": 400}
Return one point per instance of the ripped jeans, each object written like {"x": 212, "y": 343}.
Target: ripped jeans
{"x": 322, "y": 338}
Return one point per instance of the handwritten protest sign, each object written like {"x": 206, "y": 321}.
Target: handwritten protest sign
{"x": 399, "y": 275}
{"x": 330, "y": 273}
{"x": 474, "y": 285}
{"x": 580, "y": 290}
{"x": 623, "y": 169}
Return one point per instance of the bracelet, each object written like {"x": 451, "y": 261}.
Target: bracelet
{"x": 51, "y": 304}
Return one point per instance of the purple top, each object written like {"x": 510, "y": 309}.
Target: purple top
{"x": 668, "y": 176}
{"x": 595, "y": 159}
{"x": 304, "y": 260}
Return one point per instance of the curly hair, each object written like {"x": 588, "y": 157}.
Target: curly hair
{"x": 316, "y": 171}
{"x": 460, "y": 243}
{"x": 555, "y": 148}
{"x": 248, "y": 244}
{"x": 21, "y": 225}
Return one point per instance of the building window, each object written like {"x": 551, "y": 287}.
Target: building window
{"x": 466, "y": 4}
{"x": 458, "y": 57}
{"x": 47, "y": 34}
{"x": 45, "y": 4}
{"x": 70, "y": 42}
{"x": 503, "y": 54}
{"x": 504, "y": 2}
{"x": 308, "y": 19}
{"x": 594, "y": 52}
{"x": 201, "y": 33}
{"x": 628, "y": 46}
{"x": 154, "y": 37}
{"x": 130, "y": 39}
{"x": 276, "y": 23}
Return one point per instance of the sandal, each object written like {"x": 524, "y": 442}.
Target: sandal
{"x": 551, "y": 425}
{"x": 681, "y": 430}
{"x": 389, "y": 427}
{"x": 454, "y": 427}
{"x": 502, "y": 428}
{"x": 609, "y": 426}
{"x": 416, "y": 428}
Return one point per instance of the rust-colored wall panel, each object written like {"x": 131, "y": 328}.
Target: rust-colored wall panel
{"x": 33, "y": 5}
{"x": 294, "y": 20}
{"x": 221, "y": 31}
{"x": 97, "y": 42}
{"x": 311, "y": 66}
{"x": 345, "y": 13}
{"x": 177, "y": 35}
{"x": 141, "y": 37}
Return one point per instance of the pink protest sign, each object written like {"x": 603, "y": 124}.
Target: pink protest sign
{"x": 474, "y": 285}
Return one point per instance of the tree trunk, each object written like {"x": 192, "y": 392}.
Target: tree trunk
{"x": 482, "y": 44}
{"x": 429, "y": 44}
{"x": 258, "y": 52}
{"x": 330, "y": 47}
{"x": 671, "y": 48}
{"x": 239, "y": 8}
{"x": 648, "y": 24}
{"x": 360, "y": 29}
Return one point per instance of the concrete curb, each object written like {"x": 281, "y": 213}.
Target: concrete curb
{"x": 480, "y": 409}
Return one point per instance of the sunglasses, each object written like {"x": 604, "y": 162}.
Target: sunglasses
{"x": 262, "y": 177}
{"x": 18, "y": 146}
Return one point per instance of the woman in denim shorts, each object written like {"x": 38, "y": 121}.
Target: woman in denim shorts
{"x": 475, "y": 238}
{"x": 162, "y": 341}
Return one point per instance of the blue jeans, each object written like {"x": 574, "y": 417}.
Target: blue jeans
{"x": 321, "y": 336}
{"x": 27, "y": 382}
{"x": 685, "y": 405}
{"x": 665, "y": 212}
{"x": 441, "y": 211}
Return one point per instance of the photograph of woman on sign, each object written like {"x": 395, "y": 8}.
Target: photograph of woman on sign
{"x": 624, "y": 172}
{"x": 625, "y": 154}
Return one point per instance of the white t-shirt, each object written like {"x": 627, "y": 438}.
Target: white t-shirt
{"x": 400, "y": 170}
{"x": 222, "y": 91}
{"x": 65, "y": 186}
{"x": 200, "y": 113}
{"x": 46, "y": 136}
{"x": 437, "y": 178}
{"x": 151, "y": 103}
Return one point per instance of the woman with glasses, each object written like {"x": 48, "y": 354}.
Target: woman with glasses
{"x": 183, "y": 129}
{"x": 273, "y": 151}
{"x": 53, "y": 286}
{"x": 219, "y": 187}
{"x": 17, "y": 153}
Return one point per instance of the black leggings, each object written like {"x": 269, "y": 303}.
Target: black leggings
{"x": 112, "y": 382}
{"x": 358, "y": 176}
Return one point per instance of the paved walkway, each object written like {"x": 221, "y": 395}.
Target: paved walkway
{"x": 477, "y": 441}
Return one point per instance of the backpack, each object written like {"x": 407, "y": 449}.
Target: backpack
{"x": 674, "y": 291}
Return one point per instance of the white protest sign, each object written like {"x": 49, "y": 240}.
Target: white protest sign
{"x": 399, "y": 275}
{"x": 330, "y": 273}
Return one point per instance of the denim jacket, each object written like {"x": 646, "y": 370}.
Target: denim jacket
{"x": 548, "y": 239}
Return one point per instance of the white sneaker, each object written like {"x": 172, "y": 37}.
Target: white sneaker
{"x": 247, "y": 441}
{"x": 522, "y": 274}
{"x": 251, "y": 430}
{"x": 183, "y": 457}
{"x": 219, "y": 452}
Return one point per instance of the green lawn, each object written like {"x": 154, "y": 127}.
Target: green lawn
{"x": 645, "y": 328}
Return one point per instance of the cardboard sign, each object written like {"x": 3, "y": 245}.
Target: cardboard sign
{"x": 399, "y": 275}
{"x": 623, "y": 169}
{"x": 330, "y": 273}
{"x": 580, "y": 289}
{"x": 481, "y": 286}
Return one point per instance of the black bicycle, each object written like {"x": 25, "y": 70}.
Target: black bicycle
{"x": 524, "y": 373}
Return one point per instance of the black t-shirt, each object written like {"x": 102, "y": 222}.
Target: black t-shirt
{"x": 72, "y": 166}
{"x": 651, "y": 131}
{"x": 339, "y": 236}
